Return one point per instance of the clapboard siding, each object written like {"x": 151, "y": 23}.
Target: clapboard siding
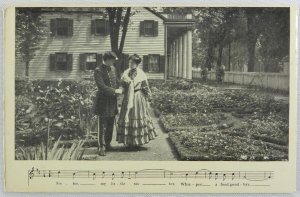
{"x": 83, "y": 41}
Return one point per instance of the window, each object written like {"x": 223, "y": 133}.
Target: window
{"x": 61, "y": 62}
{"x": 149, "y": 28}
{"x": 61, "y": 27}
{"x": 91, "y": 61}
{"x": 153, "y": 63}
{"x": 100, "y": 27}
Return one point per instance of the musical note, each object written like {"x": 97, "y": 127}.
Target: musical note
{"x": 196, "y": 173}
{"x": 49, "y": 173}
{"x": 103, "y": 174}
{"x": 210, "y": 175}
{"x": 186, "y": 175}
{"x": 224, "y": 177}
{"x": 232, "y": 176}
{"x": 94, "y": 176}
{"x": 113, "y": 176}
{"x": 122, "y": 176}
{"x": 58, "y": 173}
{"x": 74, "y": 175}
{"x": 216, "y": 176}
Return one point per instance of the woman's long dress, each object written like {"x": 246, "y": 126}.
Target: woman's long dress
{"x": 135, "y": 126}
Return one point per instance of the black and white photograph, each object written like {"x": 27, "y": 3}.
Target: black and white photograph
{"x": 152, "y": 83}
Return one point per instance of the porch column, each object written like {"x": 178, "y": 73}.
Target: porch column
{"x": 171, "y": 61}
{"x": 184, "y": 54}
{"x": 189, "y": 54}
{"x": 176, "y": 57}
{"x": 180, "y": 57}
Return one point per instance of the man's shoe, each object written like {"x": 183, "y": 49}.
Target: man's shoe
{"x": 102, "y": 152}
{"x": 108, "y": 147}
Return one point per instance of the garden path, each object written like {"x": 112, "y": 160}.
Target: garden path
{"x": 158, "y": 149}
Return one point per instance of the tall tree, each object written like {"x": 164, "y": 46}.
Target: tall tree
{"x": 274, "y": 38}
{"x": 118, "y": 22}
{"x": 30, "y": 30}
{"x": 254, "y": 17}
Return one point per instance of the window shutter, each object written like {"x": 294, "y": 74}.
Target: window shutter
{"x": 162, "y": 63}
{"x": 93, "y": 27}
{"x": 52, "y": 62}
{"x": 70, "y": 27}
{"x": 53, "y": 27}
{"x": 82, "y": 61}
{"x": 142, "y": 31}
{"x": 69, "y": 61}
{"x": 99, "y": 59}
{"x": 145, "y": 63}
{"x": 107, "y": 27}
{"x": 155, "y": 31}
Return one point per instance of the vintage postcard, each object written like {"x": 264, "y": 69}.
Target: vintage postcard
{"x": 186, "y": 99}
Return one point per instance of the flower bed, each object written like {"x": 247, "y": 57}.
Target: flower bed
{"x": 256, "y": 130}
{"x": 203, "y": 100}
{"x": 172, "y": 122}
{"x": 271, "y": 128}
{"x": 193, "y": 145}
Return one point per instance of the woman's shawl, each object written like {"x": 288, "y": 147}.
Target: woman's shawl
{"x": 141, "y": 76}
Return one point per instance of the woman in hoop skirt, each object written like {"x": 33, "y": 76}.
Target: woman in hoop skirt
{"x": 135, "y": 126}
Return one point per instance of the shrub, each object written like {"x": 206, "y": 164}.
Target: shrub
{"x": 68, "y": 104}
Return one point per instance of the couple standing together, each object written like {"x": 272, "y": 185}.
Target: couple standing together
{"x": 134, "y": 126}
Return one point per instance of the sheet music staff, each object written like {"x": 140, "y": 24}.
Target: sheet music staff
{"x": 152, "y": 173}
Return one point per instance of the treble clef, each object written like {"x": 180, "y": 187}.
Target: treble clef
{"x": 31, "y": 173}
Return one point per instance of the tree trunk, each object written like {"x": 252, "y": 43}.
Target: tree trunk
{"x": 111, "y": 16}
{"x": 229, "y": 58}
{"x": 219, "y": 63}
{"x": 117, "y": 30}
{"x": 124, "y": 30}
{"x": 220, "y": 54}
{"x": 27, "y": 68}
{"x": 209, "y": 58}
{"x": 253, "y": 31}
{"x": 251, "y": 56}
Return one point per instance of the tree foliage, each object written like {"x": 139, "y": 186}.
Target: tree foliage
{"x": 30, "y": 30}
{"x": 239, "y": 36}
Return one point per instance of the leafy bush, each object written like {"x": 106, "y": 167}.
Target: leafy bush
{"x": 67, "y": 103}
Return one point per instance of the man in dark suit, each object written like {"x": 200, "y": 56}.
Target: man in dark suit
{"x": 106, "y": 107}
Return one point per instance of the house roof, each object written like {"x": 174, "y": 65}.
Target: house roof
{"x": 155, "y": 13}
{"x": 169, "y": 20}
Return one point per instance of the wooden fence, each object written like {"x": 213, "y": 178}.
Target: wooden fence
{"x": 276, "y": 81}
